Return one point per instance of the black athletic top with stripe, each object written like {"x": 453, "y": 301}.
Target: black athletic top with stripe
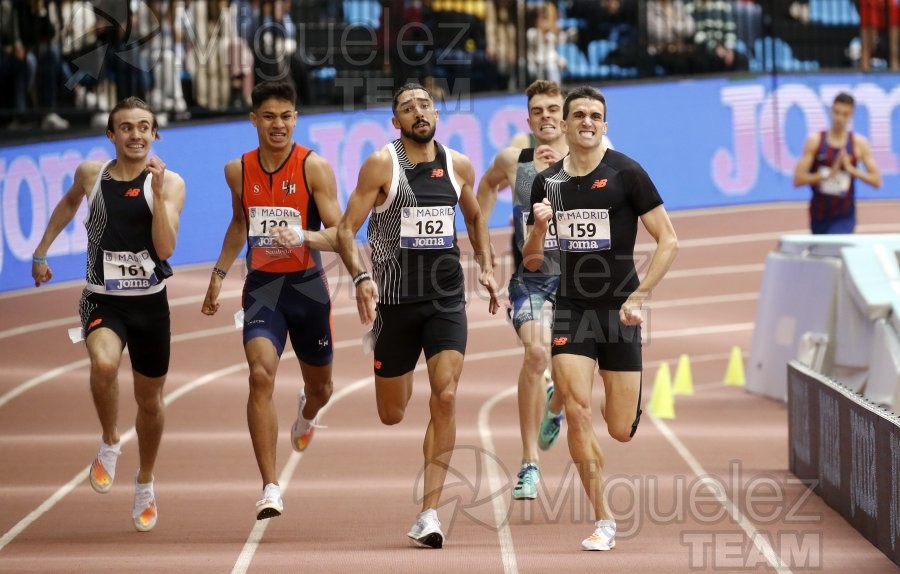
{"x": 596, "y": 219}
{"x": 415, "y": 256}
{"x": 121, "y": 258}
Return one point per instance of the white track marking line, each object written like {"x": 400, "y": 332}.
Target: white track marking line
{"x": 82, "y": 474}
{"x": 256, "y": 534}
{"x": 507, "y": 549}
{"x": 487, "y": 323}
{"x": 73, "y": 320}
{"x": 756, "y": 538}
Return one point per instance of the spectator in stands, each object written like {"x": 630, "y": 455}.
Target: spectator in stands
{"x": 715, "y": 36}
{"x": 454, "y": 53}
{"x": 670, "y": 36}
{"x": 500, "y": 24}
{"x": 543, "y": 40}
{"x": 220, "y": 62}
{"x": 829, "y": 166}
{"x": 127, "y": 60}
{"x": 875, "y": 16}
{"x": 166, "y": 54}
{"x": 17, "y": 66}
{"x": 613, "y": 20}
{"x": 76, "y": 24}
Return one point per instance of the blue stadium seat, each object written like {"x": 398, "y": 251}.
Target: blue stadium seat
{"x": 833, "y": 13}
{"x": 775, "y": 50}
{"x": 363, "y": 13}
{"x": 577, "y": 65}
{"x": 598, "y": 50}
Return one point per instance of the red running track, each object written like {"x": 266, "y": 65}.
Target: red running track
{"x": 708, "y": 490}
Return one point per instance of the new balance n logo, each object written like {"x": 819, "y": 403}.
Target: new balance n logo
{"x": 560, "y": 341}
{"x": 598, "y": 183}
{"x": 133, "y": 192}
{"x": 435, "y": 173}
{"x": 94, "y": 323}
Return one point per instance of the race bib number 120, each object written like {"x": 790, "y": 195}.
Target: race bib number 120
{"x": 427, "y": 227}
{"x": 263, "y": 219}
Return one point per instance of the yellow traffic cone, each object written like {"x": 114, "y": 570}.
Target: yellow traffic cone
{"x": 662, "y": 403}
{"x": 734, "y": 376}
{"x": 684, "y": 382}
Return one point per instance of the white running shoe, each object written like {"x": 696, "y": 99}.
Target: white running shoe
{"x": 103, "y": 469}
{"x": 271, "y": 504}
{"x": 603, "y": 538}
{"x": 427, "y": 530}
{"x": 144, "y": 511}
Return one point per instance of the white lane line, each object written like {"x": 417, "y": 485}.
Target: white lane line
{"x": 284, "y": 479}
{"x": 718, "y": 270}
{"x": 42, "y": 378}
{"x": 714, "y": 487}
{"x": 82, "y": 474}
{"x": 73, "y": 320}
{"x": 63, "y": 369}
{"x": 708, "y": 300}
{"x": 501, "y": 510}
{"x": 256, "y": 534}
{"x": 487, "y": 323}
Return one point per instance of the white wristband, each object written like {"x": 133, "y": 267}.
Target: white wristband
{"x": 299, "y": 231}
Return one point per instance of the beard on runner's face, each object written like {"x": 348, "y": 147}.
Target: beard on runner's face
{"x": 419, "y": 137}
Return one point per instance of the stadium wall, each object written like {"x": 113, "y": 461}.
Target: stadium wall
{"x": 847, "y": 450}
{"x": 706, "y": 143}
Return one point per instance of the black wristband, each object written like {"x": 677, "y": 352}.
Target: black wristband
{"x": 360, "y": 278}
{"x": 220, "y": 272}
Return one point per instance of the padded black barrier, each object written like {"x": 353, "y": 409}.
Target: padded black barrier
{"x": 848, "y": 450}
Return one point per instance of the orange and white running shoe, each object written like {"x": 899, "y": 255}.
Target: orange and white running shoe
{"x": 103, "y": 469}
{"x": 144, "y": 511}
{"x": 302, "y": 430}
{"x": 603, "y": 538}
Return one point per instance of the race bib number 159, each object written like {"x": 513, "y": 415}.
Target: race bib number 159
{"x": 583, "y": 229}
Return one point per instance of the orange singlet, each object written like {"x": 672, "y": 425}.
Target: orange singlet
{"x": 280, "y": 198}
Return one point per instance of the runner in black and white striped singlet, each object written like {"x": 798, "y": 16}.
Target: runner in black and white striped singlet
{"x": 413, "y": 233}
{"x": 134, "y": 208}
{"x": 413, "y": 187}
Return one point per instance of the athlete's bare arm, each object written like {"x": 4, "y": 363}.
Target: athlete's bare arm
{"x": 85, "y": 176}
{"x": 374, "y": 178}
{"x": 499, "y": 175}
{"x": 872, "y": 175}
{"x": 658, "y": 224}
{"x": 476, "y": 225}
{"x": 168, "y": 201}
{"x": 533, "y": 248}
{"x": 235, "y": 236}
{"x": 802, "y": 176}
{"x": 323, "y": 187}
